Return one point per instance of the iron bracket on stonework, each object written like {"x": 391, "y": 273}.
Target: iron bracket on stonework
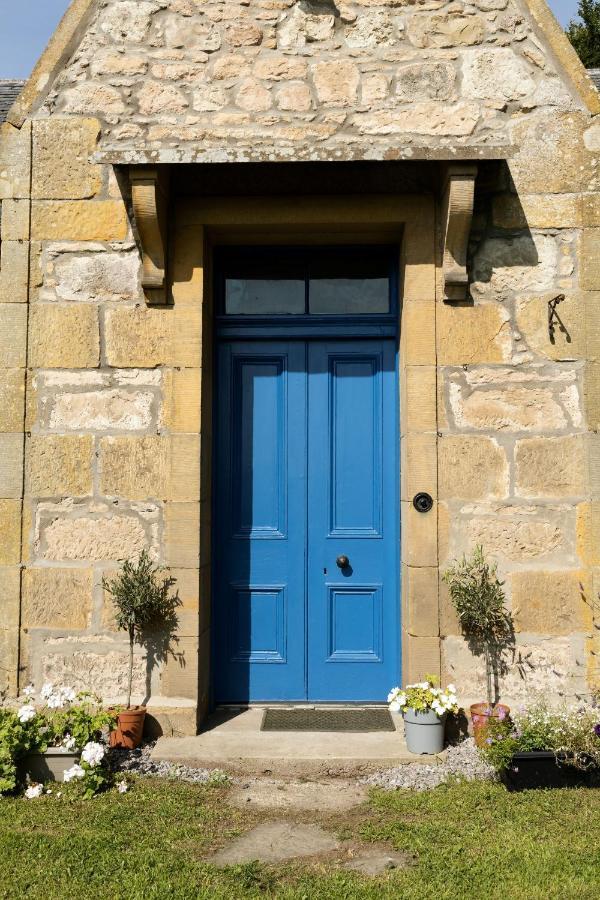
{"x": 150, "y": 200}
{"x": 458, "y": 196}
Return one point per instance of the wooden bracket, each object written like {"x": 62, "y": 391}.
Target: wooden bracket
{"x": 457, "y": 214}
{"x": 150, "y": 198}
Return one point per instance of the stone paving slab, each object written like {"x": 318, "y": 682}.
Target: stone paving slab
{"x": 328, "y": 796}
{"x": 275, "y": 842}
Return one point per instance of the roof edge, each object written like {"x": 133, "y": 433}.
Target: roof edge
{"x": 565, "y": 53}
{"x": 61, "y": 45}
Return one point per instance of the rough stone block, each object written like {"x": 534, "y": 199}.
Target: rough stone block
{"x": 419, "y": 465}
{"x": 159, "y": 467}
{"x": 57, "y": 598}
{"x": 182, "y": 535}
{"x": 93, "y": 276}
{"x": 419, "y": 401}
{"x": 472, "y": 334}
{"x": 508, "y": 409}
{"x": 11, "y": 466}
{"x": 336, "y": 82}
{"x": 551, "y": 156}
{"x": 419, "y": 536}
{"x": 15, "y": 220}
{"x": 15, "y": 160}
{"x": 12, "y": 399}
{"x": 10, "y": 600}
{"x": 418, "y": 328}
{"x": 421, "y": 657}
{"x": 421, "y": 585}
{"x": 472, "y": 468}
{"x": 518, "y": 211}
{"x": 153, "y": 337}
{"x": 10, "y": 532}
{"x": 103, "y": 410}
{"x": 61, "y": 148}
{"x": 59, "y": 466}
{"x": 532, "y": 323}
{"x": 497, "y": 74}
{"x": 14, "y": 271}
{"x": 79, "y": 220}
{"x": 513, "y": 532}
{"x": 171, "y": 721}
{"x": 551, "y": 466}
{"x": 13, "y": 334}
{"x": 590, "y": 259}
{"x": 113, "y": 537}
{"x": 556, "y": 602}
{"x": 182, "y": 396}
{"x": 100, "y": 669}
{"x": 590, "y": 210}
{"x": 445, "y": 30}
{"x": 63, "y": 336}
{"x": 522, "y": 263}
{"x": 134, "y": 467}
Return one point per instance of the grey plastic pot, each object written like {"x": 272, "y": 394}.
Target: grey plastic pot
{"x": 48, "y": 766}
{"x": 424, "y": 731}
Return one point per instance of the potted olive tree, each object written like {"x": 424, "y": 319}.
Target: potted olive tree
{"x": 477, "y": 595}
{"x": 143, "y": 605}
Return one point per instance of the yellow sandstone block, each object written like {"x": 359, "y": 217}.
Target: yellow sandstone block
{"x": 79, "y": 220}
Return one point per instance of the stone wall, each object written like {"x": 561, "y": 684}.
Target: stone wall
{"x": 268, "y": 79}
{"x": 105, "y": 411}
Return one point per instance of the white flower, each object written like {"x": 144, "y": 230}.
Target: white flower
{"x": 26, "y": 714}
{"x": 54, "y": 701}
{"x": 68, "y": 694}
{"x": 33, "y": 791}
{"x": 29, "y": 691}
{"x": 74, "y": 772}
{"x": 394, "y": 706}
{"x": 451, "y": 689}
{"x": 47, "y": 689}
{"x": 69, "y": 743}
{"x": 122, "y": 787}
{"x": 93, "y": 753}
{"x": 393, "y": 694}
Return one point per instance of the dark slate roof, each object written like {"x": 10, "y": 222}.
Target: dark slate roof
{"x": 595, "y": 76}
{"x": 9, "y": 91}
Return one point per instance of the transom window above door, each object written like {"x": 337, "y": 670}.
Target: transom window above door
{"x": 306, "y": 287}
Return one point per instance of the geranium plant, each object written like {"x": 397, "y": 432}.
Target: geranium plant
{"x": 59, "y": 717}
{"x": 424, "y": 696}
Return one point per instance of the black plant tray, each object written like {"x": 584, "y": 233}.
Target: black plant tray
{"x": 540, "y": 769}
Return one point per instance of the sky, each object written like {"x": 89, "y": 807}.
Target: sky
{"x": 26, "y": 25}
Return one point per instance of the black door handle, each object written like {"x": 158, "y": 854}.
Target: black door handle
{"x": 342, "y": 562}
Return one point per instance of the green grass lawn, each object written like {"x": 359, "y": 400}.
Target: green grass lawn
{"x": 471, "y": 841}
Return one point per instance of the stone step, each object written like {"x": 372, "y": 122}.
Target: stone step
{"x": 233, "y": 741}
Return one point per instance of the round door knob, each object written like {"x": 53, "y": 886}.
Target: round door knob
{"x": 342, "y": 562}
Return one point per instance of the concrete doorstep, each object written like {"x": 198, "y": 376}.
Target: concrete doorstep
{"x": 232, "y": 740}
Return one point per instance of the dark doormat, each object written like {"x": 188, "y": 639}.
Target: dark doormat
{"x": 361, "y": 720}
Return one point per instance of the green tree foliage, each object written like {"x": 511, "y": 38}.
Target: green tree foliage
{"x": 142, "y": 601}
{"x": 584, "y": 33}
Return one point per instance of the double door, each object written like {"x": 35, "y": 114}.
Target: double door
{"x": 306, "y": 591}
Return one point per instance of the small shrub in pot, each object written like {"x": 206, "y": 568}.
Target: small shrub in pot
{"x": 144, "y": 604}
{"x": 478, "y": 597}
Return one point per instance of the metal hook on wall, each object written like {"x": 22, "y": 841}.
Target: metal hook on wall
{"x": 554, "y": 319}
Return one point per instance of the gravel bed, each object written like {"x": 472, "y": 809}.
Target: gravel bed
{"x": 463, "y": 761}
{"x": 138, "y": 762}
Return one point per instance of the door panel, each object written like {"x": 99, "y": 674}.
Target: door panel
{"x": 260, "y": 515}
{"x": 352, "y": 511}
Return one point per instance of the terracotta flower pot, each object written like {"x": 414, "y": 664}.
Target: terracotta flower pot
{"x": 482, "y": 714}
{"x": 130, "y": 726}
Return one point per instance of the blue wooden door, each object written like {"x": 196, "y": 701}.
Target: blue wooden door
{"x": 306, "y": 473}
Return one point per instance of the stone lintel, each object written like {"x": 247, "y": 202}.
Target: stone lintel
{"x": 142, "y": 156}
{"x": 458, "y": 196}
{"x": 150, "y": 199}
